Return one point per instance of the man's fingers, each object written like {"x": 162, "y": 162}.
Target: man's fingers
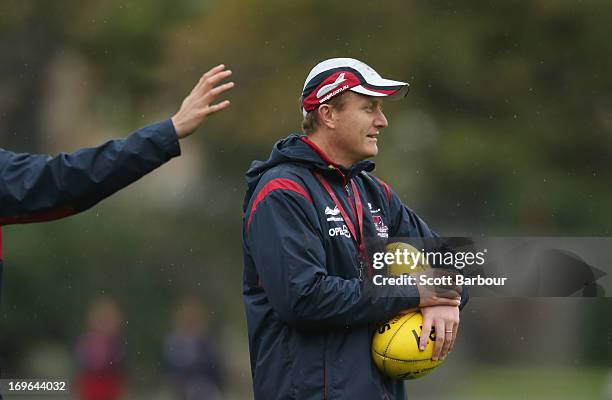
{"x": 218, "y": 77}
{"x": 446, "y": 292}
{"x": 217, "y": 107}
{"x": 448, "y": 339}
{"x": 443, "y": 301}
{"x": 439, "y": 326}
{"x": 212, "y": 81}
{"x": 425, "y": 333}
{"x": 206, "y": 75}
{"x": 455, "y": 332}
{"x": 220, "y": 89}
{"x": 197, "y": 105}
{"x": 213, "y": 71}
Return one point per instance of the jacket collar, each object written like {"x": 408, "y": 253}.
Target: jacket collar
{"x": 364, "y": 165}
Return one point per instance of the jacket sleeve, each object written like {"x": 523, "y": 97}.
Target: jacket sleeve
{"x": 405, "y": 223}
{"x": 286, "y": 245}
{"x": 36, "y": 188}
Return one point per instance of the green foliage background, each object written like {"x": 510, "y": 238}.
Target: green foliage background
{"x": 507, "y": 130}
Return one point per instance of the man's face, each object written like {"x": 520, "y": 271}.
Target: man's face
{"x": 357, "y": 126}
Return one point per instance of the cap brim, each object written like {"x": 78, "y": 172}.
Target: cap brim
{"x": 394, "y": 90}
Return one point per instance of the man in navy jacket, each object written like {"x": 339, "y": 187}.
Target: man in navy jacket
{"x": 36, "y": 188}
{"x": 308, "y": 211}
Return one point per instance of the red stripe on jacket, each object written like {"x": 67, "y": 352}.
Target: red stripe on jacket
{"x": 386, "y": 187}
{"x": 277, "y": 184}
{"x": 38, "y": 217}
{"x": 318, "y": 150}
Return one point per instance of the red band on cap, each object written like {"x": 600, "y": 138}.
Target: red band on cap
{"x": 332, "y": 86}
{"x": 387, "y": 92}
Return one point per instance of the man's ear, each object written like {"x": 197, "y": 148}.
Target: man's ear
{"x": 326, "y": 116}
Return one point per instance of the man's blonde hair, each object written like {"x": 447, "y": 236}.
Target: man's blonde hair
{"x": 311, "y": 120}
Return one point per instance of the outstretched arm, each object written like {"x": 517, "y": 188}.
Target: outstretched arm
{"x": 36, "y": 188}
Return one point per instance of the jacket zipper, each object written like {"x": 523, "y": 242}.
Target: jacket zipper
{"x": 324, "y": 381}
{"x": 347, "y": 191}
{"x": 325, "y": 367}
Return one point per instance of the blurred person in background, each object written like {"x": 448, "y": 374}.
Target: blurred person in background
{"x": 191, "y": 357}
{"x": 101, "y": 353}
{"x": 37, "y": 188}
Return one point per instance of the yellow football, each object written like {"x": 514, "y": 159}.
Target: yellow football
{"x": 411, "y": 261}
{"x": 395, "y": 348}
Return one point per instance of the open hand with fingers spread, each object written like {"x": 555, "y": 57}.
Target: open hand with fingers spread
{"x": 198, "y": 105}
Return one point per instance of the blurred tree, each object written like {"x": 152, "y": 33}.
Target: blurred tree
{"x": 507, "y": 129}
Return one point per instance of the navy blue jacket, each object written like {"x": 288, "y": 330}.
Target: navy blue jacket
{"x": 310, "y": 318}
{"x": 35, "y": 188}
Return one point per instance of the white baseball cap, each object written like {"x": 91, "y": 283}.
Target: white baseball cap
{"x": 332, "y": 77}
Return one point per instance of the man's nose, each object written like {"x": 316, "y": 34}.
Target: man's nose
{"x": 380, "y": 121}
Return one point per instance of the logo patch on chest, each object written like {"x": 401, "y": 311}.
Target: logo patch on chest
{"x": 333, "y": 214}
{"x": 382, "y": 230}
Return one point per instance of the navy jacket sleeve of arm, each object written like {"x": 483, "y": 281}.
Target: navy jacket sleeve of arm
{"x": 405, "y": 223}
{"x": 286, "y": 246}
{"x": 39, "y": 188}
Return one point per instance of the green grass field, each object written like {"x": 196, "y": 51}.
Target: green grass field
{"x": 537, "y": 383}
